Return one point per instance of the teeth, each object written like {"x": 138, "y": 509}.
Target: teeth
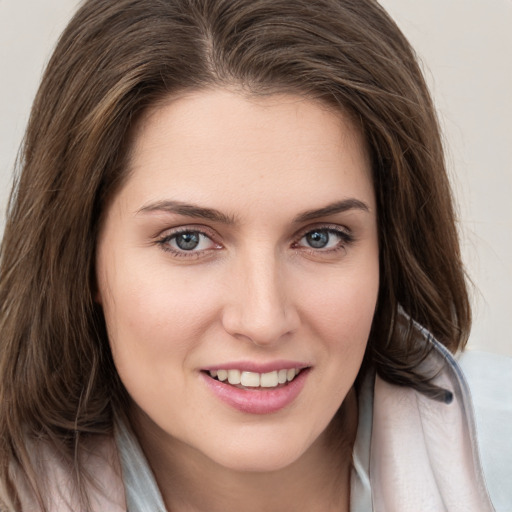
{"x": 255, "y": 380}
{"x": 234, "y": 376}
{"x": 250, "y": 379}
{"x": 269, "y": 380}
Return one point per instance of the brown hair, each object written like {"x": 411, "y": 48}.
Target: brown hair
{"x": 114, "y": 60}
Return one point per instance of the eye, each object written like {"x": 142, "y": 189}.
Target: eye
{"x": 325, "y": 239}
{"x": 190, "y": 241}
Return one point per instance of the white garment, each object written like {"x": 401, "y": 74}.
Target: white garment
{"x": 416, "y": 454}
{"x": 141, "y": 491}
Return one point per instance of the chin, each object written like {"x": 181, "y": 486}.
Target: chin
{"x": 258, "y": 456}
{"x": 258, "y": 463}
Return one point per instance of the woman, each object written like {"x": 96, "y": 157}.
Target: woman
{"x": 222, "y": 276}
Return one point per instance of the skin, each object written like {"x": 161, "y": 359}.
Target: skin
{"x": 254, "y": 289}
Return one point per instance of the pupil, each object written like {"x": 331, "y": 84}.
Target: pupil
{"x": 317, "y": 239}
{"x": 187, "y": 241}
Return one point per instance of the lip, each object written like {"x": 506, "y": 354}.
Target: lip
{"x": 251, "y": 366}
{"x": 257, "y": 401}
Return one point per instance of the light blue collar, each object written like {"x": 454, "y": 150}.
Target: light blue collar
{"x": 141, "y": 490}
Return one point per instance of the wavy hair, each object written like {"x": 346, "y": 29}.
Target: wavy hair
{"x": 115, "y": 60}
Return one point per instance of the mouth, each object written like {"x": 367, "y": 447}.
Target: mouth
{"x": 253, "y": 380}
{"x": 252, "y": 392}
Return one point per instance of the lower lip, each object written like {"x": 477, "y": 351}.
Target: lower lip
{"x": 257, "y": 401}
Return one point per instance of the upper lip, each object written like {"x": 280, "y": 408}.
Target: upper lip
{"x": 257, "y": 367}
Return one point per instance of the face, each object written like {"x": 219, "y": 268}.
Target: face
{"x": 238, "y": 273}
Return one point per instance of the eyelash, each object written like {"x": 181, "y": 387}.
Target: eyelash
{"x": 346, "y": 239}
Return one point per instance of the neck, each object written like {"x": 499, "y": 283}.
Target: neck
{"x": 318, "y": 480}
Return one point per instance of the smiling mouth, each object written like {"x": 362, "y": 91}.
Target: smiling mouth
{"x": 253, "y": 380}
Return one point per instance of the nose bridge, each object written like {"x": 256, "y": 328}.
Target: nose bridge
{"x": 261, "y": 309}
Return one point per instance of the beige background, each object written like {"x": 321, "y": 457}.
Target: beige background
{"x": 466, "y": 48}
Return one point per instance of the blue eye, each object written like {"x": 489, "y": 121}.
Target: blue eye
{"x": 187, "y": 241}
{"x": 325, "y": 238}
{"x": 317, "y": 239}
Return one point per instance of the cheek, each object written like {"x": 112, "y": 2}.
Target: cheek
{"x": 154, "y": 315}
{"x": 339, "y": 314}
{"x": 342, "y": 308}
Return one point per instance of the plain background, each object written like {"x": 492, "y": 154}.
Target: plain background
{"x": 466, "y": 50}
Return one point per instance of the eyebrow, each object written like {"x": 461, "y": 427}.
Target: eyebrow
{"x": 190, "y": 210}
{"x": 332, "y": 209}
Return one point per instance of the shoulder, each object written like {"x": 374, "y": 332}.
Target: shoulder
{"x": 489, "y": 378}
{"x": 100, "y": 465}
{"x": 442, "y": 453}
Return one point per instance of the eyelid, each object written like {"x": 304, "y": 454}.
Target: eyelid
{"x": 337, "y": 228}
{"x": 186, "y": 228}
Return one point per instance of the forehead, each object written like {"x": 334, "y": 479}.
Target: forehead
{"x": 209, "y": 144}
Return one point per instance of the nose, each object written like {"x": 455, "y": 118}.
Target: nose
{"x": 260, "y": 306}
